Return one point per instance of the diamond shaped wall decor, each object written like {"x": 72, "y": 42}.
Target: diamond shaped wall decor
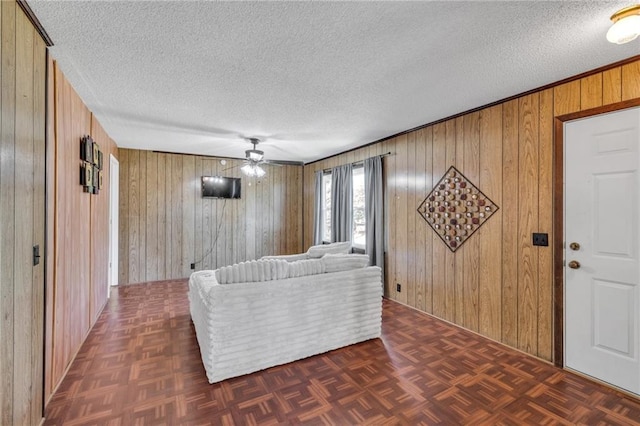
{"x": 456, "y": 208}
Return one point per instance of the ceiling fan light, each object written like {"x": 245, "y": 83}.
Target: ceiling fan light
{"x": 253, "y": 170}
{"x": 626, "y": 25}
{"x": 248, "y": 170}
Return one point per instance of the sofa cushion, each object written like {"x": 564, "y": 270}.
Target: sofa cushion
{"x": 306, "y": 267}
{"x": 288, "y": 257}
{"x": 344, "y": 262}
{"x": 333, "y": 248}
{"x": 252, "y": 271}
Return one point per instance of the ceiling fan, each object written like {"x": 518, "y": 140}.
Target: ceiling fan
{"x": 254, "y": 158}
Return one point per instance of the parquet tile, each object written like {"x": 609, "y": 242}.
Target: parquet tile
{"x": 140, "y": 365}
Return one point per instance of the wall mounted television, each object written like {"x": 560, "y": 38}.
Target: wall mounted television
{"x": 220, "y": 187}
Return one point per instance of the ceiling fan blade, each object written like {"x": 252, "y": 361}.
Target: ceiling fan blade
{"x": 283, "y": 162}
{"x": 233, "y": 167}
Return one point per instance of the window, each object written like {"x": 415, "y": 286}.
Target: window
{"x": 359, "y": 224}
{"x": 326, "y": 208}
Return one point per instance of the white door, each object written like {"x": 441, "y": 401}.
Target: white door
{"x": 114, "y": 187}
{"x": 602, "y": 294}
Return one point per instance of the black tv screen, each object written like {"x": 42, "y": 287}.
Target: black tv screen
{"x": 220, "y": 187}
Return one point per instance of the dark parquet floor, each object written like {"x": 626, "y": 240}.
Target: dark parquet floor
{"x": 140, "y": 365}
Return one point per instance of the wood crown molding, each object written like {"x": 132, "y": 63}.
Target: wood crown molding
{"x": 35, "y": 21}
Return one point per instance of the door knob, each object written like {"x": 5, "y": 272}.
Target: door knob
{"x": 574, "y": 246}
{"x": 574, "y": 264}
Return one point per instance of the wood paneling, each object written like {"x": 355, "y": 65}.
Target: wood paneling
{"x": 22, "y": 217}
{"x": 79, "y": 238}
{"x": 294, "y": 223}
{"x": 612, "y": 86}
{"x": 165, "y": 224}
{"x": 490, "y": 237}
{"x": 24, "y": 220}
{"x": 427, "y": 277}
{"x": 71, "y": 245}
{"x": 133, "y": 214}
{"x": 39, "y": 218}
{"x": 401, "y": 237}
{"x": 459, "y": 271}
{"x": 591, "y": 91}
{"x": 450, "y": 258}
{"x": 123, "y": 217}
{"x": 50, "y": 220}
{"x": 390, "y": 183}
{"x": 420, "y": 181}
{"x": 509, "y": 207}
{"x": 630, "y": 81}
{"x": 410, "y": 204}
{"x": 497, "y": 283}
{"x": 527, "y": 223}
{"x": 7, "y": 212}
{"x": 99, "y": 218}
{"x": 151, "y": 222}
{"x": 307, "y": 210}
{"x": 566, "y": 98}
{"x": 176, "y": 207}
{"x": 470, "y": 295}
{"x": 439, "y": 250}
{"x": 545, "y": 224}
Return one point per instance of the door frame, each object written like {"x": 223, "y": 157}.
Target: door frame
{"x": 558, "y": 218}
{"x": 114, "y": 189}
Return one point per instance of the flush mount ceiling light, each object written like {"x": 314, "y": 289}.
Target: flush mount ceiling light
{"x": 626, "y": 25}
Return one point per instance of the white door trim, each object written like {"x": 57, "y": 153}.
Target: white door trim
{"x": 558, "y": 221}
{"x": 114, "y": 188}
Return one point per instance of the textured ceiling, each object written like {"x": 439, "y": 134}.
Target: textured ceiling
{"x": 311, "y": 78}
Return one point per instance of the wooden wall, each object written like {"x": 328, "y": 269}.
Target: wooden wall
{"x": 165, "y": 224}
{"x": 497, "y": 283}
{"x": 78, "y": 240}
{"x": 22, "y": 217}
{"x": 99, "y": 227}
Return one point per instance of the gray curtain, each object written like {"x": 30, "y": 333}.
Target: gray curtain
{"x": 318, "y": 218}
{"x": 374, "y": 210}
{"x": 341, "y": 203}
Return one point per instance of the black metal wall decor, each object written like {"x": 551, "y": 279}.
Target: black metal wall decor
{"x": 90, "y": 165}
{"x": 456, "y": 208}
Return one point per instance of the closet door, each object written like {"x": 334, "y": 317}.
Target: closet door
{"x": 22, "y": 217}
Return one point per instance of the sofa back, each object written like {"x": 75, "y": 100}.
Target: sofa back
{"x": 277, "y": 269}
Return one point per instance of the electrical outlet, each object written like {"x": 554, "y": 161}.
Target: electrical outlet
{"x": 193, "y": 266}
{"x": 540, "y": 239}
{"x": 398, "y": 287}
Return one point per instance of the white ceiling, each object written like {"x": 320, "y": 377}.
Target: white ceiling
{"x": 311, "y": 78}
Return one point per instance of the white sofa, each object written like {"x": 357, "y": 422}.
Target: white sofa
{"x": 244, "y": 327}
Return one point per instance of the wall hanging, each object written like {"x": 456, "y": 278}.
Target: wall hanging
{"x": 456, "y": 208}
{"x": 90, "y": 165}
